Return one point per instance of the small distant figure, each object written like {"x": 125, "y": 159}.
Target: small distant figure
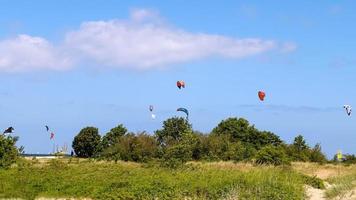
{"x": 71, "y": 153}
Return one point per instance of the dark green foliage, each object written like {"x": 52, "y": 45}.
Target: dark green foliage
{"x": 131, "y": 147}
{"x": 349, "y": 159}
{"x": 313, "y": 181}
{"x": 175, "y": 156}
{"x": 300, "y": 144}
{"x": 8, "y": 151}
{"x": 300, "y": 151}
{"x": 179, "y": 153}
{"x": 233, "y": 139}
{"x": 236, "y": 129}
{"x": 174, "y": 129}
{"x": 272, "y": 155}
{"x": 113, "y": 135}
{"x": 213, "y": 147}
{"x": 316, "y": 155}
{"x": 86, "y": 143}
{"x": 240, "y": 130}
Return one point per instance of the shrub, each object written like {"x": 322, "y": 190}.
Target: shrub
{"x": 8, "y": 151}
{"x": 175, "y": 156}
{"x": 313, "y": 181}
{"x": 173, "y": 131}
{"x": 317, "y": 156}
{"x": 113, "y": 135}
{"x": 130, "y": 147}
{"x": 272, "y": 155}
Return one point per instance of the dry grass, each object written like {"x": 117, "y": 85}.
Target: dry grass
{"x": 323, "y": 171}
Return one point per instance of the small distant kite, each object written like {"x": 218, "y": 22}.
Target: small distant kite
{"x": 9, "y": 130}
{"x": 184, "y": 110}
{"x": 153, "y": 116}
{"x": 261, "y": 95}
{"x": 180, "y": 84}
{"x": 52, "y": 136}
{"x": 348, "y": 109}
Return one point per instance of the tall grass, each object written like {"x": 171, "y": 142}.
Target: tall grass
{"x": 341, "y": 186}
{"x": 103, "y": 180}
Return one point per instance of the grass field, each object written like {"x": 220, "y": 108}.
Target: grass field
{"x": 74, "y": 178}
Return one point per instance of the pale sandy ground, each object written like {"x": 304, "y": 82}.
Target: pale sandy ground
{"x": 324, "y": 173}
{"x": 317, "y": 194}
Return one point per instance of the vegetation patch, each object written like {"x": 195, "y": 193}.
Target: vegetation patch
{"x": 107, "y": 180}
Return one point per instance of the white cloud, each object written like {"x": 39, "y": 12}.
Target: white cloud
{"x": 143, "y": 41}
{"x": 147, "y": 44}
{"x": 25, "y": 53}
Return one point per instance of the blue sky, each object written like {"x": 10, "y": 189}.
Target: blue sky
{"x": 71, "y": 64}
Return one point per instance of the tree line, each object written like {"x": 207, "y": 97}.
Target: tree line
{"x": 176, "y": 143}
{"x": 233, "y": 139}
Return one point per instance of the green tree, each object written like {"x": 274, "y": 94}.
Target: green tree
{"x": 300, "y": 143}
{"x": 86, "y": 143}
{"x": 240, "y": 130}
{"x": 113, "y": 135}
{"x": 272, "y": 155}
{"x": 130, "y": 147}
{"x": 174, "y": 129}
{"x": 236, "y": 129}
{"x": 299, "y": 150}
{"x": 8, "y": 151}
{"x": 316, "y": 155}
{"x": 179, "y": 153}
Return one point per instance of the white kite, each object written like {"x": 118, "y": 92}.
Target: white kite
{"x": 348, "y": 109}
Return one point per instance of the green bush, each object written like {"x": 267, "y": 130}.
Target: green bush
{"x": 86, "y": 143}
{"x": 131, "y": 147}
{"x": 8, "y": 151}
{"x": 175, "y": 156}
{"x": 113, "y": 136}
{"x": 316, "y": 155}
{"x": 349, "y": 159}
{"x": 173, "y": 131}
{"x": 272, "y": 155}
{"x": 313, "y": 181}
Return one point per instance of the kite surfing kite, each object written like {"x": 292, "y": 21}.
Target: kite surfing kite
{"x": 261, "y": 95}
{"x": 153, "y": 116}
{"x": 184, "y": 110}
{"x": 180, "y": 84}
{"x": 51, "y": 134}
{"x": 9, "y": 130}
{"x": 348, "y": 109}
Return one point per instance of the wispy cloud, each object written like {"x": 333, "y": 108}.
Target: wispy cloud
{"x": 144, "y": 41}
{"x": 288, "y": 108}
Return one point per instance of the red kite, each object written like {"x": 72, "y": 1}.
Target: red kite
{"x": 261, "y": 95}
{"x": 180, "y": 84}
